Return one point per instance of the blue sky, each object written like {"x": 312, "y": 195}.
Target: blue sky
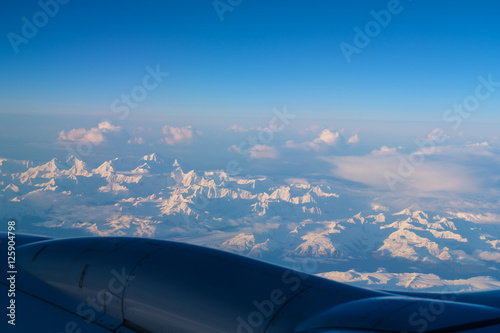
{"x": 262, "y": 55}
{"x": 185, "y": 80}
{"x": 200, "y": 82}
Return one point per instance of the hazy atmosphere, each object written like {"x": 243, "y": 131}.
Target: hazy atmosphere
{"x": 361, "y": 134}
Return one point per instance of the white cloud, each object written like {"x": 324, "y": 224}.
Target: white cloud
{"x": 444, "y": 168}
{"x": 326, "y": 138}
{"x": 95, "y": 135}
{"x": 257, "y": 151}
{"x": 176, "y": 135}
{"x": 353, "y": 139}
{"x": 477, "y": 144}
{"x": 384, "y": 150}
{"x": 489, "y": 256}
{"x": 263, "y": 151}
{"x": 478, "y": 218}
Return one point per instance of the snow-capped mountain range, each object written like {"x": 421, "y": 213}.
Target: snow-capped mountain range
{"x": 295, "y": 222}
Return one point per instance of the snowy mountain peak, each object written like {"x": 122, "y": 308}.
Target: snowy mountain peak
{"x": 143, "y": 168}
{"x": 75, "y": 161}
{"x": 319, "y": 192}
{"x": 405, "y": 211}
{"x": 71, "y": 159}
{"x": 51, "y": 169}
{"x": 79, "y": 168}
{"x": 152, "y": 157}
{"x": 52, "y": 165}
{"x": 12, "y": 188}
{"x": 105, "y": 169}
{"x": 277, "y": 220}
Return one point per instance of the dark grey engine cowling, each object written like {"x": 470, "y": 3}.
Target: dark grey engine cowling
{"x": 161, "y": 286}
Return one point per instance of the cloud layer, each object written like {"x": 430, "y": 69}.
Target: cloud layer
{"x": 465, "y": 169}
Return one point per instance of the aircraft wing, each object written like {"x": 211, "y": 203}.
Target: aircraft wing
{"x": 114, "y": 284}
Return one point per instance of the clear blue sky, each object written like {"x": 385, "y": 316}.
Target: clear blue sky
{"x": 264, "y": 54}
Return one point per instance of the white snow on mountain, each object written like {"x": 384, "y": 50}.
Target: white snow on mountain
{"x": 414, "y": 281}
{"x": 278, "y": 220}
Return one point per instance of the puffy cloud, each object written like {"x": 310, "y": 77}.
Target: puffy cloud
{"x": 94, "y": 135}
{"x": 326, "y": 138}
{"x": 353, "y": 139}
{"x": 105, "y": 125}
{"x": 176, "y": 135}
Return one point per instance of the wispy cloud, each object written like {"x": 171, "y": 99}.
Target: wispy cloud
{"x": 237, "y": 128}
{"x": 464, "y": 169}
{"x": 257, "y": 151}
{"x": 487, "y": 217}
{"x": 263, "y": 151}
{"x": 310, "y": 129}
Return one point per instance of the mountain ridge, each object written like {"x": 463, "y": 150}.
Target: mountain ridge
{"x": 282, "y": 221}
